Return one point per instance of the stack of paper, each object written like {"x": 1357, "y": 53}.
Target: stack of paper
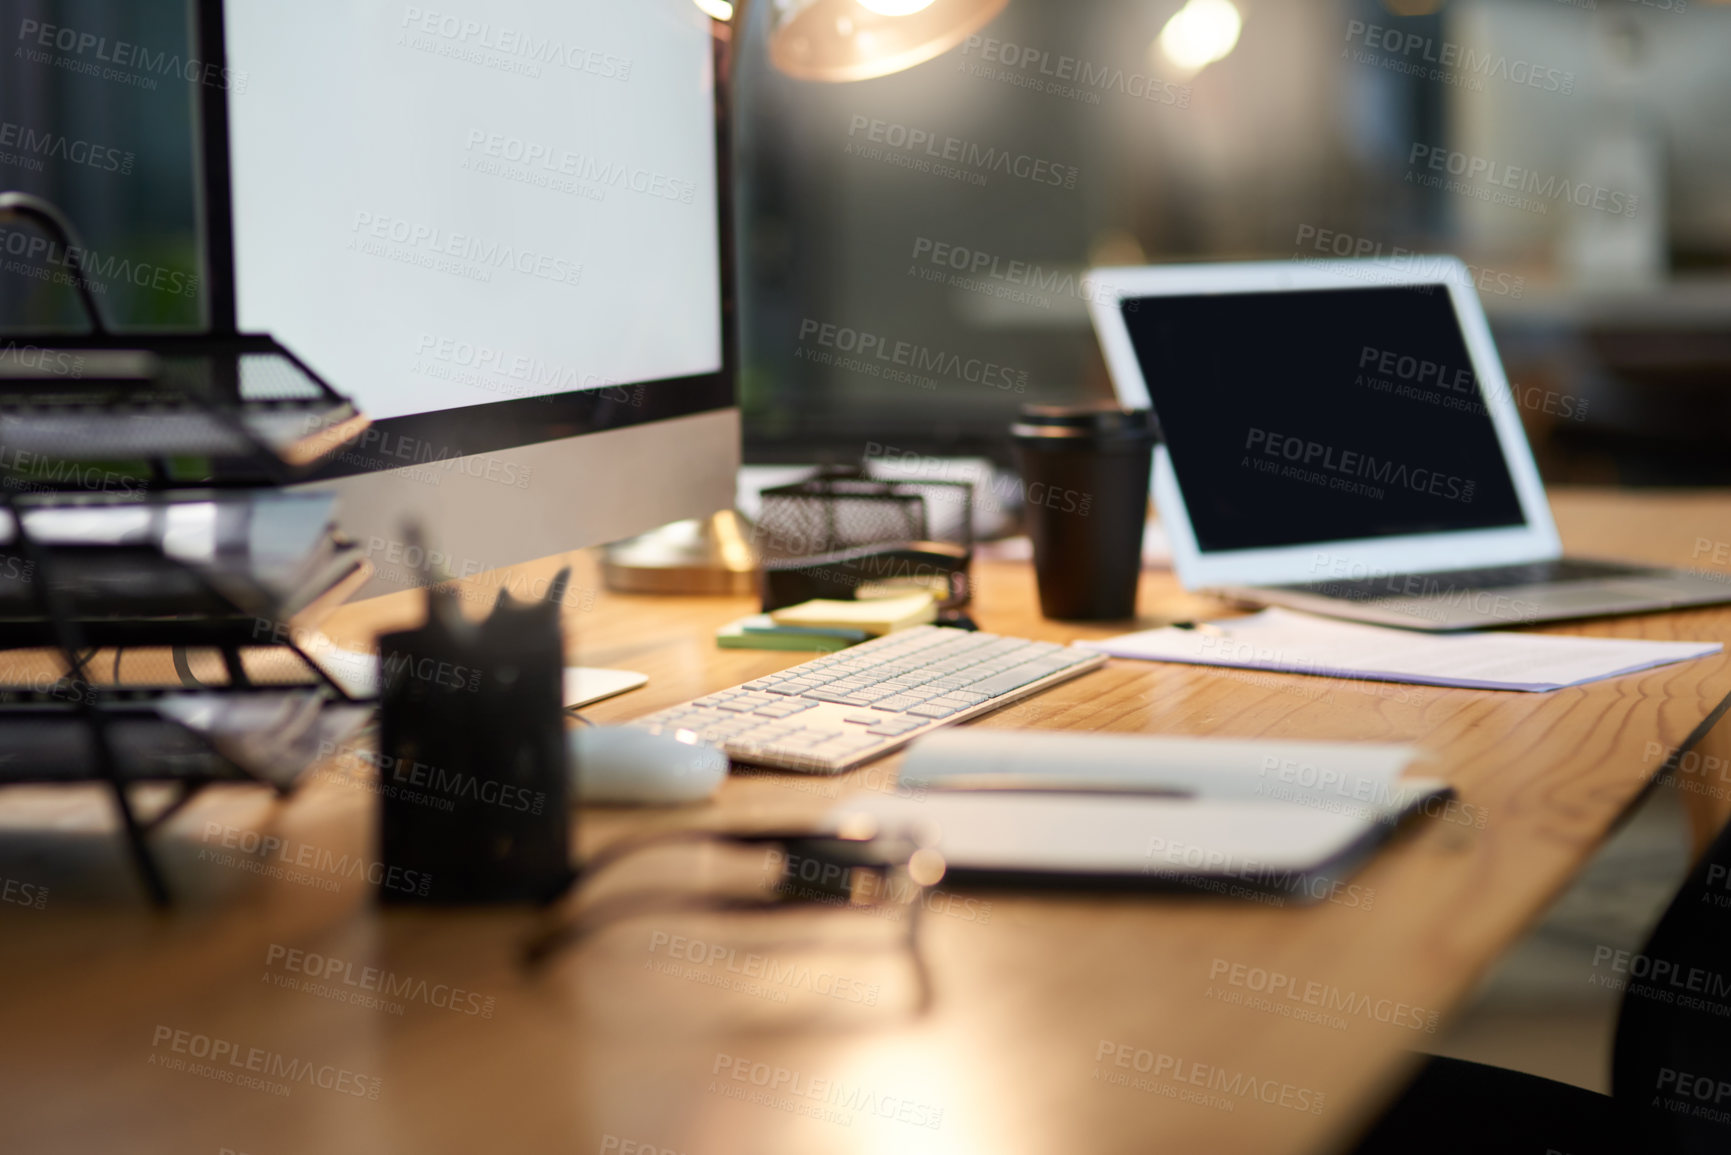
{"x": 1296, "y": 643}
{"x": 760, "y": 632}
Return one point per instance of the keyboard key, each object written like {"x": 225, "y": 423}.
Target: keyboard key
{"x": 785, "y": 708}
{"x": 1012, "y": 678}
{"x": 933, "y": 710}
{"x": 733, "y": 725}
{"x": 875, "y": 694}
{"x": 897, "y": 703}
{"x": 864, "y": 719}
{"x": 891, "y": 727}
{"x": 827, "y": 696}
{"x": 745, "y": 703}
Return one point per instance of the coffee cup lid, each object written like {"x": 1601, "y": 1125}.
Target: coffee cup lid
{"x": 1085, "y": 423}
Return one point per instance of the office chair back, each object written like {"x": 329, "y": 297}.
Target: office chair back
{"x": 1671, "y": 1063}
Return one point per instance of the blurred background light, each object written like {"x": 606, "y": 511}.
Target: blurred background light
{"x": 1200, "y": 33}
{"x": 895, "y": 7}
{"x": 717, "y": 9}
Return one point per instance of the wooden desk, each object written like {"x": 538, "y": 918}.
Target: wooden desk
{"x": 1038, "y": 998}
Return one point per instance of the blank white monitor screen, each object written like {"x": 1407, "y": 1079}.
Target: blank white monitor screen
{"x": 448, "y": 204}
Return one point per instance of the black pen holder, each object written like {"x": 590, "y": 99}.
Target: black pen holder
{"x": 472, "y": 768}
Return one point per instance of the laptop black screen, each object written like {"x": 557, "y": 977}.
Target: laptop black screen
{"x": 1321, "y": 415}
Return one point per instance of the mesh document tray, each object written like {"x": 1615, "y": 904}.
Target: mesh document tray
{"x": 94, "y": 555}
{"x": 245, "y": 405}
{"x": 208, "y": 554}
{"x": 828, "y": 515}
{"x": 843, "y": 536}
{"x": 270, "y": 735}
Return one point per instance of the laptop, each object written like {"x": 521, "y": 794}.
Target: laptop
{"x": 1339, "y": 437}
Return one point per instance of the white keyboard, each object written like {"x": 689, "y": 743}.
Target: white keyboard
{"x": 835, "y": 712}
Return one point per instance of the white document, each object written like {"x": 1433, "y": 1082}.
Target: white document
{"x": 1277, "y": 639}
{"x": 1261, "y": 815}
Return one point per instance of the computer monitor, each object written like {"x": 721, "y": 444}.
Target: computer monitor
{"x": 501, "y": 227}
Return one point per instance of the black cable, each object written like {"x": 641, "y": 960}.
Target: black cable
{"x": 79, "y": 662}
{"x": 854, "y": 854}
{"x": 41, "y": 213}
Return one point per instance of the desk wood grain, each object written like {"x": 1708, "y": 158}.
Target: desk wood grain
{"x": 1128, "y": 1023}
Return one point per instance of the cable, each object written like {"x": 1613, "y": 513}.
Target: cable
{"x": 20, "y": 206}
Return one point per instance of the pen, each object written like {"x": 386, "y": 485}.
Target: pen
{"x": 1027, "y": 784}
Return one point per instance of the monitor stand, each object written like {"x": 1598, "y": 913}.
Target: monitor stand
{"x": 586, "y": 684}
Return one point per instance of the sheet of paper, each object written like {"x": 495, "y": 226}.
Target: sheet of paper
{"x": 1358, "y": 777}
{"x": 1278, "y": 639}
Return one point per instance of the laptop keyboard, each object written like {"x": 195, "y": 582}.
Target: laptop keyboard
{"x": 1444, "y": 582}
{"x": 835, "y": 712}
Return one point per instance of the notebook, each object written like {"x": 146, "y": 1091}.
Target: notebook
{"x": 1287, "y": 819}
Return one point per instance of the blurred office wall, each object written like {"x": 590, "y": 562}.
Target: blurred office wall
{"x": 95, "y": 116}
{"x": 1574, "y": 153}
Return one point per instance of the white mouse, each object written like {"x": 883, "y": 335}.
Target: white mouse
{"x": 614, "y": 764}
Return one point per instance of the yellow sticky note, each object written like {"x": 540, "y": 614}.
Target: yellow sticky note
{"x": 877, "y": 616}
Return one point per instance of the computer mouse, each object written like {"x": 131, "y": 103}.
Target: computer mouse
{"x": 623, "y": 764}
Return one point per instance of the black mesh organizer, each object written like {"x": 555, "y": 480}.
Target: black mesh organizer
{"x": 152, "y": 570}
{"x": 844, "y": 535}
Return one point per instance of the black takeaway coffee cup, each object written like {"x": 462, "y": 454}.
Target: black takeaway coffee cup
{"x": 1085, "y": 492}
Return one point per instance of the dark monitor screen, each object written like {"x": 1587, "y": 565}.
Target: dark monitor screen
{"x": 1321, "y": 415}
